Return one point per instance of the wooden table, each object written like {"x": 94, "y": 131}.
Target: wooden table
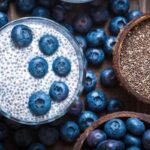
{"x": 130, "y": 102}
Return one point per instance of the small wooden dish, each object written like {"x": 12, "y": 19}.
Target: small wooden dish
{"x": 124, "y": 114}
{"x": 117, "y": 57}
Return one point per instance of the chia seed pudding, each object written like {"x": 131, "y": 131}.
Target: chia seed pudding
{"x": 17, "y": 84}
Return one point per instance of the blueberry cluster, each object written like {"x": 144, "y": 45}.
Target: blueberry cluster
{"x": 88, "y": 30}
{"x": 120, "y": 134}
{"x": 40, "y": 102}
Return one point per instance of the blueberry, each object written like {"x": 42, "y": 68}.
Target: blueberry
{"x": 99, "y": 15}
{"x": 133, "y": 14}
{"x": 131, "y": 140}
{"x": 111, "y": 145}
{"x": 90, "y": 81}
{"x": 46, "y": 3}
{"x": 69, "y": 131}
{"x": 146, "y": 139}
{"x": 82, "y": 23}
{"x": 108, "y": 44}
{"x": 67, "y": 6}
{"x": 82, "y": 41}
{"x": 86, "y": 119}
{"x": 25, "y": 6}
{"x": 21, "y": 35}
{"x": 135, "y": 126}
{"x": 96, "y": 37}
{"x": 23, "y": 137}
{"x": 120, "y": 7}
{"x": 48, "y": 135}
{"x": 96, "y": 100}
{"x": 76, "y": 108}
{"x": 61, "y": 66}
{"x": 3, "y": 131}
{"x": 108, "y": 77}
{"x": 94, "y": 56}
{"x": 37, "y": 146}
{"x": 133, "y": 148}
{"x": 96, "y": 137}
{"x": 58, "y": 91}
{"x": 48, "y": 44}
{"x": 38, "y": 67}
{"x": 115, "y": 129}
{"x": 4, "y": 5}
{"x": 117, "y": 24}
{"x": 69, "y": 27}
{"x": 39, "y": 103}
{"x": 41, "y": 12}
{"x": 3, "y": 19}
{"x": 114, "y": 105}
{"x": 58, "y": 13}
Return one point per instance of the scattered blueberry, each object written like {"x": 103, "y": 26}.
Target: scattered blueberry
{"x": 133, "y": 14}
{"x": 82, "y": 23}
{"x": 3, "y": 131}
{"x": 69, "y": 131}
{"x": 37, "y": 146}
{"x": 94, "y": 56}
{"x": 114, "y": 105}
{"x": 69, "y": 27}
{"x": 48, "y": 135}
{"x": 115, "y": 129}
{"x": 25, "y": 6}
{"x": 96, "y": 137}
{"x": 146, "y": 139}
{"x": 131, "y": 140}
{"x": 133, "y": 148}
{"x": 90, "y": 81}
{"x": 96, "y": 37}
{"x": 21, "y": 35}
{"x": 99, "y": 15}
{"x": 96, "y": 100}
{"x": 67, "y": 6}
{"x": 120, "y": 7}
{"x": 23, "y": 137}
{"x": 39, "y": 103}
{"x": 4, "y": 5}
{"x": 111, "y": 145}
{"x": 135, "y": 126}
{"x": 58, "y": 13}
{"x": 76, "y": 108}
{"x": 82, "y": 41}
{"x": 48, "y": 44}
{"x": 61, "y": 66}
{"x": 58, "y": 91}
{"x": 46, "y": 3}
{"x": 86, "y": 119}
{"x": 108, "y": 77}
{"x": 3, "y": 19}
{"x": 38, "y": 67}
{"x": 108, "y": 44}
{"x": 41, "y": 12}
{"x": 117, "y": 24}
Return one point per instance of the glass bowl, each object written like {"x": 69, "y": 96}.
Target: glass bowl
{"x": 16, "y": 84}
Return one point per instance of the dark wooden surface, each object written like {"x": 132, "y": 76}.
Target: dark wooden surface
{"x": 130, "y": 103}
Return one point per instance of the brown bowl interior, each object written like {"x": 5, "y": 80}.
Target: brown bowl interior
{"x": 99, "y": 123}
{"x": 117, "y": 54}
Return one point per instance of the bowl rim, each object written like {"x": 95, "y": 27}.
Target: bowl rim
{"x": 116, "y": 56}
{"x": 82, "y": 66}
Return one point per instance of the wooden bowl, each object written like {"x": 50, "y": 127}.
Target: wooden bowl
{"x": 124, "y": 114}
{"x": 117, "y": 57}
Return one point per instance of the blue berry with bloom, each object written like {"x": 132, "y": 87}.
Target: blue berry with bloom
{"x": 94, "y": 56}
{"x": 4, "y": 5}
{"x": 90, "y": 81}
{"x": 133, "y": 14}
{"x": 21, "y": 35}
{"x": 96, "y": 100}
{"x": 39, "y": 103}
{"x": 70, "y": 131}
{"x": 41, "y": 12}
{"x": 82, "y": 41}
{"x": 37, "y": 146}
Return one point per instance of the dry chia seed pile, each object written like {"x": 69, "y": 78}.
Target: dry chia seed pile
{"x": 135, "y": 59}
